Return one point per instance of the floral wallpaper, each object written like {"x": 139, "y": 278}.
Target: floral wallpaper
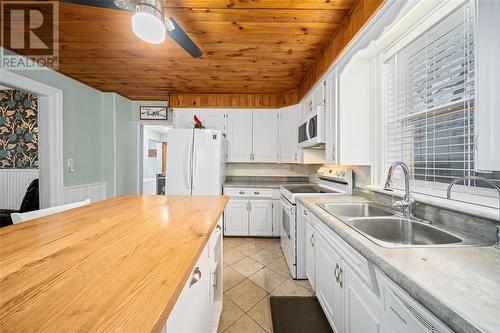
{"x": 18, "y": 130}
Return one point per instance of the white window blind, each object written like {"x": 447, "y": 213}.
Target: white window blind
{"x": 429, "y": 101}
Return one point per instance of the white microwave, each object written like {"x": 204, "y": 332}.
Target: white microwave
{"x": 312, "y": 131}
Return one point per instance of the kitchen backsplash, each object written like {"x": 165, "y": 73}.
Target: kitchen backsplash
{"x": 18, "y": 130}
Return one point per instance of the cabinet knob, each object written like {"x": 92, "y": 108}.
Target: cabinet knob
{"x": 256, "y": 192}
{"x": 196, "y": 277}
{"x": 218, "y": 228}
{"x": 305, "y": 212}
{"x": 241, "y": 192}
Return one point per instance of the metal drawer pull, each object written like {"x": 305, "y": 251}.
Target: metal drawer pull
{"x": 312, "y": 240}
{"x": 336, "y": 272}
{"x": 241, "y": 192}
{"x": 218, "y": 228}
{"x": 196, "y": 277}
{"x": 256, "y": 192}
{"x": 341, "y": 277}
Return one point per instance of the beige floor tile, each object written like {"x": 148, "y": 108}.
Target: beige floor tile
{"x": 231, "y": 278}
{"x": 290, "y": 288}
{"x": 265, "y": 242}
{"x": 280, "y": 266}
{"x": 230, "y": 313}
{"x": 246, "y": 294}
{"x": 245, "y": 325}
{"x": 261, "y": 314}
{"x": 276, "y": 250}
{"x": 265, "y": 257}
{"x": 249, "y": 248}
{"x": 234, "y": 241}
{"x": 247, "y": 266}
{"x": 267, "y": 279}
{"x": 232, "y": 256}
{"x": 304, "y": 284}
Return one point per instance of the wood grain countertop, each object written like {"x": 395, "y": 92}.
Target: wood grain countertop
{"x": 117, "y": 265}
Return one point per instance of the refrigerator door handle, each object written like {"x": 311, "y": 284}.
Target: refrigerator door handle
{"x": 188, "y": 164}
{"x": 193, "y": 175}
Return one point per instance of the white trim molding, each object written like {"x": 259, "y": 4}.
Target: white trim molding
{"x": 94, "y": 192}
{"x": 50, "y": 115}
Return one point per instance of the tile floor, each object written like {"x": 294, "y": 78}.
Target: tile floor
{"x": 254, "y": 270}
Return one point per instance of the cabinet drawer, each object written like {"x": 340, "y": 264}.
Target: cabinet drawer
{"x": 248, "y": 192}
{"x": 358, "y": 263}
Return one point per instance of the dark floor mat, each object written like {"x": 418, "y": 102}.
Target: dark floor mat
{"x": 293, "y": 314}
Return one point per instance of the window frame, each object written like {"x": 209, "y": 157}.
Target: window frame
{"x": 413, "y": 25}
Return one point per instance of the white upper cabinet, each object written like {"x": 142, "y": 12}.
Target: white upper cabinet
{"x": 319, "y": 94}
{"x": 331, "y": 121}
{"x": 288, "y": 134}
{"x": 488, "y": 86}
{"x": 265, "y": 136}
{"x": 183, "y": 118}
{"x": 239, "y": 136}
{"x": 213, "y": 119}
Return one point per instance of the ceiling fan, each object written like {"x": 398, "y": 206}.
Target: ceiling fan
{"x": 149, "y": 21}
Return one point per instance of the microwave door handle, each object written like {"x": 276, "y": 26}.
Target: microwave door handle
{"x": 307, "y": 129}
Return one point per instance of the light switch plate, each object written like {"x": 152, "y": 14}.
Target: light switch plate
{"x": 71, "y": 165}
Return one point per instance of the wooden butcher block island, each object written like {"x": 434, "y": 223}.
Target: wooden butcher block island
{"x": 127, "y": 264}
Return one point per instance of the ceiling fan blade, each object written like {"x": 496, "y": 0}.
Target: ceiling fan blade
{"x": 181, "y": 38}
{"x": 110, "y": 4}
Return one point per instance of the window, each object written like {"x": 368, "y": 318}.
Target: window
{"x": 429, "y": 104}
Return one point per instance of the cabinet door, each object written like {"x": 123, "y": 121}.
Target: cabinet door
{"x": 214, "y": 119}
{"x": 276, "y": 218}
{"x": 363, "y": 310}
{"x": 265, "y": 136}
{"x": 236, "y": 218}
{"x": 310, "y": 255}
{"x": 328, "y": 290}
{"x": 331, "y": 122}
{"x": 239, "y": 135}
{"x": 183, "y": 118}
{"x": 288, "y": 134}
{"x": 261, "y": 218}
{"x": 194, "y": 298}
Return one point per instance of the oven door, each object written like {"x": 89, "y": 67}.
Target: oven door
{"x": 287, "y": 234}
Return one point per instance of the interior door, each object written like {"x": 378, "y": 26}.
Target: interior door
{"x": 261, "y": 218}
{"x": 236, "y": 217}
{"x": 239, "y": 135}
{"x": 206, "y": 174}
{"x": 265, "y": 136}
{"x": 180, "y": 143}
{"x": 328, "y": 289}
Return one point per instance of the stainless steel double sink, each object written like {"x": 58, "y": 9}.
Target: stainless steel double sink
{"x": 386, "y": 228}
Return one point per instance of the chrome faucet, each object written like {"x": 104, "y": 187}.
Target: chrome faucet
{"x": 489, "y": 182}
{"x": 408, "y": 203}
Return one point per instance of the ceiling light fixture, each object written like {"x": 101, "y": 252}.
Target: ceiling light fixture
{"x": 148, "y": 22}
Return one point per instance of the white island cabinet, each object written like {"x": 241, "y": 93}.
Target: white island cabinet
{"x": 198, "y": 308}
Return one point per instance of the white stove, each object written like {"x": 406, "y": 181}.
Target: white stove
{"x": 333, "y": 181}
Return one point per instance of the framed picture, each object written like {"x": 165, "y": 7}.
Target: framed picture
{"x": 153, "y": 113}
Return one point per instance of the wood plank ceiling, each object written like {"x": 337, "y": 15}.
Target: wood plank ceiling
{"x": 250, "y": 47}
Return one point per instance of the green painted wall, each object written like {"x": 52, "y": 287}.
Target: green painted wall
{"x": 126, "y": 148}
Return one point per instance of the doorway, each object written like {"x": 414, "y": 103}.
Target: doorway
{"x": 153, "y": 159}
{"x": 50, "y": 138}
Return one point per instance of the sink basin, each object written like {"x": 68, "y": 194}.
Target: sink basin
{"x": 356, "y": 209}
{"x": 402, "y": 232}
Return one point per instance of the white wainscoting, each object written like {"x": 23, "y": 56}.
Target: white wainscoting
{"x": 94, "y": 192}
{"x": 13, "y": 186}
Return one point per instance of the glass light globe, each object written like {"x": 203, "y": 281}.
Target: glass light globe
{"x": 148, "y": 27}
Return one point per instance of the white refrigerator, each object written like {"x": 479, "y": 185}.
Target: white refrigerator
{"x": 196, "y": 160}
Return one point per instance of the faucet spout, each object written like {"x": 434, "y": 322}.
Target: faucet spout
{"x": 407, "y": 204}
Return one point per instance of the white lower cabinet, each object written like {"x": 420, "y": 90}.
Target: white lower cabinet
{"x": 261, "y": 218}
{"x": 198, "y": 308}
{"x": 328, "y": 288}
{"x": 310, "y": 255}
{"x": 363, "y": 310}
{"x": 236, "y": 218}
{"x": 357, "y": 297}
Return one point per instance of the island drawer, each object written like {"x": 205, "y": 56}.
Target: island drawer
{"x": 248, "y": 192}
